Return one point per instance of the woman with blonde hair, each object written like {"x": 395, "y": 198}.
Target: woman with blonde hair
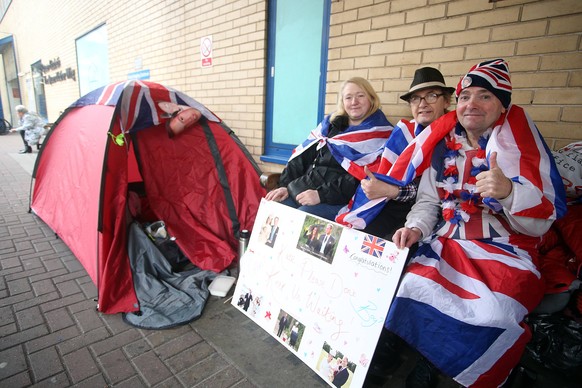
{"x": 324, "y": 171}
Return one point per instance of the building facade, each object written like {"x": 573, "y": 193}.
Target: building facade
{"x": 227, "y": 54}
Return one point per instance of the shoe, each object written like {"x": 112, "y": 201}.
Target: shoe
{"x": 424, "y": 375}
{"x": 26, "y": 151}
{"x": 520, "y": 377}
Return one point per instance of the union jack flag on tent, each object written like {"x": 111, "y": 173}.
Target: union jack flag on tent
{"x": 138, "y": 102}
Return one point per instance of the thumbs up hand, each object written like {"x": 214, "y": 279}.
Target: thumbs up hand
{"x": 493, "y": 183}
{"x": 374, "y": 188}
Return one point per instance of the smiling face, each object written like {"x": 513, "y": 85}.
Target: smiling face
{"x": 356, "y": 103}
{"x": 477, "y": 110}
{"x": 425, "y": 113}
{"x": 314, "y": 232}
{"x": 328, "y": 229}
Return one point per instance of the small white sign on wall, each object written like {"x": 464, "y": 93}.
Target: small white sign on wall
{"x": 320, "y": 289}
{"x": 206, "y": 51}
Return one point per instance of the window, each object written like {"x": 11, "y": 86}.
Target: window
{"x": 93, "y": 60}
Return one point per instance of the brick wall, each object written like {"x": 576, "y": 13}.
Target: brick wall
{"x": 384, "y": 41}
{"x": 164, "y": 36}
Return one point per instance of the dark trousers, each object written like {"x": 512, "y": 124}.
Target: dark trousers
{"x": 24, "y": 141}
{"x": 390, "y": 219}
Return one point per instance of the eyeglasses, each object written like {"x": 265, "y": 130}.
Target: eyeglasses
{"x": 430, "y": 98}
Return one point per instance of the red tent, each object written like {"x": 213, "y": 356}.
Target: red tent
{"x": 203, "y": 183}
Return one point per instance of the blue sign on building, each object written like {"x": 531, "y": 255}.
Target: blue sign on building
{"x": 142, "y": 74}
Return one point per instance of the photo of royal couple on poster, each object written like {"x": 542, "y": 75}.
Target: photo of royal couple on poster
{"x": 289, "y": 330}
{"x": 269, "y": 231}
{"x": 249, "y": 302}
{"x": 335, "y": 367}
{"x": 319, "y": 238}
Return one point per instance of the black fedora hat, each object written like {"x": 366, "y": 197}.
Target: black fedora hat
{"x": 427, "y": 77}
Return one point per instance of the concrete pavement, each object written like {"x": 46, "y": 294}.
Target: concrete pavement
{"x": 52, "y": 336}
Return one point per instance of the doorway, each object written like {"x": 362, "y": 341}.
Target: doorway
{"x": 298, "y": 35}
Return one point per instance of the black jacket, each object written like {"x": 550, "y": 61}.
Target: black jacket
{"x": 318, "y": 170}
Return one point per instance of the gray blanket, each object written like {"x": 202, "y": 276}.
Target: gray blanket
{"x": 166, "y": 298}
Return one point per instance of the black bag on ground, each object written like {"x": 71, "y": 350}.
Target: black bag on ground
{"x": 556, "y": 342}
{"x": 173, "y": 254}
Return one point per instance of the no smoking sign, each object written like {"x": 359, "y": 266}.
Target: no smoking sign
{"x": 206, "y": 51}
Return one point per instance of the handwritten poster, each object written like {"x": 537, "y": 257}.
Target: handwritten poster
{"x": 320, "y": 289}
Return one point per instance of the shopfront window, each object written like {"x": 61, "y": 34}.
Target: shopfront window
{"x": 38, "y": 87}
{"x": 93, "y": 60}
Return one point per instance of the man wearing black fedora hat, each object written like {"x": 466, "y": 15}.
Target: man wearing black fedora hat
{"x": 429, "y": 98}
{"x": 424, "y": 96}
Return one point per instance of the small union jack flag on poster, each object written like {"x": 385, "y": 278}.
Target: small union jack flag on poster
{"x": 373, "y": 245}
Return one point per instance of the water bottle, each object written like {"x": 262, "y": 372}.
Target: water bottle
{"x": 243, "y": 242}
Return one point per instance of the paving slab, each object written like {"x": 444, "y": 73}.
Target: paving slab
{"x": 51, "y": 335}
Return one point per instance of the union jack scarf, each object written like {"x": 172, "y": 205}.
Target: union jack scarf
{"x": 523, "y": 156}
{"x": 360, "y": 211}
{"x": 357, "y": 146}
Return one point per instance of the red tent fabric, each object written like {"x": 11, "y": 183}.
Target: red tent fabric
{"x": 203, "y": 183}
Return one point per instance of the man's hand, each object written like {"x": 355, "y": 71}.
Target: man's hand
{"x": 406, "y": 237}
{"x": 308, "y": 198}
{"x": 493, "y": 183}
{"x": 277, "y": 195}
{"x": 374, "y": 188}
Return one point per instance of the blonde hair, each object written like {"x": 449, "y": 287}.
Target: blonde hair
{"x": 368, "y": 90}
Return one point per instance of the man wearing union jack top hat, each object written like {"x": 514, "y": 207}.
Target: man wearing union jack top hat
{"x": 489, "y": 190}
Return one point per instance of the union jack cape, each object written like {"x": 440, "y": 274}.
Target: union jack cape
{"x": 461, "y": 303}
{"x": 361, "y": 210}
{"x": 357, "y": 146}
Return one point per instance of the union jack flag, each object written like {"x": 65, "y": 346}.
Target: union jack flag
{"x": 373, "y": 245}
{"x": 355, "y": 147}
{"x": 475, "y": 331}
{"x": 361, "y": 210}
{"x": 466, "y": 321}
